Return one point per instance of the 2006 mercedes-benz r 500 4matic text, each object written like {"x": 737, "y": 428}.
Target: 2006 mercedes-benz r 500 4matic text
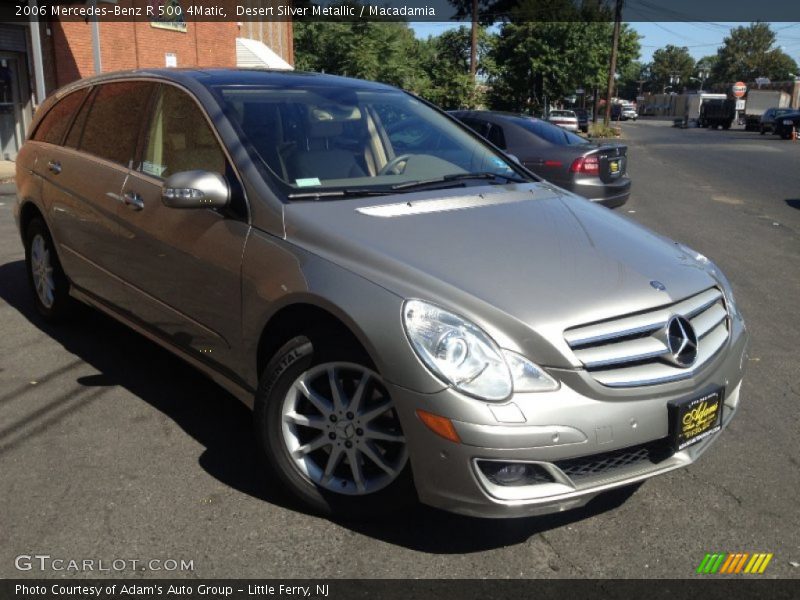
{"x": 410, "y": 313}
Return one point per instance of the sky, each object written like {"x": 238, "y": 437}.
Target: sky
{"x": 701, "y": 39}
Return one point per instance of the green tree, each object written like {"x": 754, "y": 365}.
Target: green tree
{"x": 376, "y": 50}
{"x": 671, "y": 66}
{"x": 705, "y": 67}
{"x": 446, "y": 62}
{"x": 748, "y": 53}
{"x": 631, "y": 80}
{"x": 550, "y": 59}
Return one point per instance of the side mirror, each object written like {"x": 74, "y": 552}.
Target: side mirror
{"x": 195, "y": 189}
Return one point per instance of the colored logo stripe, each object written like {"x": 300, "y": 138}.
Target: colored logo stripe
{"x": 734, "y": 563}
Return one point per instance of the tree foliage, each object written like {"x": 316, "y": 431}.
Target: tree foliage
{"x": 436, "y": 69}
{"x": 376, "y": 50}
{"x": 551, "y": 59}
{"x": 672, "y": 65}
{"x": 445, "y": 60}
{"x": 749, "y": 52}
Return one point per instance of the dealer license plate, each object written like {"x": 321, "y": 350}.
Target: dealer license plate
{"x": 695, "y": 419}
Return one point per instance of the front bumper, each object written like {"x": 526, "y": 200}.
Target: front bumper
{"x": 549, "y": 430}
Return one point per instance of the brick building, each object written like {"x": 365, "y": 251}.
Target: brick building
{"x": 38, "y": 58}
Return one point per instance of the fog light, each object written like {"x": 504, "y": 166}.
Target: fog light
{"x": 514, "y": 474}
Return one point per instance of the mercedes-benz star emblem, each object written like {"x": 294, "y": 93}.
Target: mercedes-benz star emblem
{"x": 681, "y": 341}
{"x": 657, "y": 285}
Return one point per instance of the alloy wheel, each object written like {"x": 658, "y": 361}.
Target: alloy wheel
{"x": 341, "y": 430}
{"x": 42, "y": 271}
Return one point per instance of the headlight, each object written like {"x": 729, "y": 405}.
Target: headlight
{"x": 526, "y": 376}
{"x": 703, "y": 261}
{"x": 464, "y": 356}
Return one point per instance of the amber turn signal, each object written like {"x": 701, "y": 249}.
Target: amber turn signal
{"x": 439, "y": 425}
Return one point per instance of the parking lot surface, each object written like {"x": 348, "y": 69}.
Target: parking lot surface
{"x": 110, "y": 448}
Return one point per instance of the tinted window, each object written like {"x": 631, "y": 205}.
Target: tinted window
{"x": 115, "y": 118}
{"x": 74, "y": 136}
{"x": 496, "y": 136}
{"x": 179, "y": 138}
{"x": 551, "y": 133}
{"x": 478, "y": 126}
{"x": 55, "y": 122}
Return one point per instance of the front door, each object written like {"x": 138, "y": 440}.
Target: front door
{"x": 183, "y": 264}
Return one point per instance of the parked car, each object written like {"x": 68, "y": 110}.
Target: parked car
{"x": 566, "y": 119}
{"x": 583, "y": 119}
{"x": 787, "y": 123}
{"x": 409, "y": 312}
{"x": 770, "y": 116}
{"x": 595, "y": 171}
{"x": 629, "y": 112}
{"x": 623, "y": 112}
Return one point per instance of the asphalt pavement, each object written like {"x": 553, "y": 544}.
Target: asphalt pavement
{"x": 112, "y": 449}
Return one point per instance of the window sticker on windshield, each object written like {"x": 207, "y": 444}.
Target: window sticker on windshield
{"x": 307, "y": 182}
{"x": 152, "y": 168}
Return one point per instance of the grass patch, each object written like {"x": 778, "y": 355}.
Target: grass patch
{"x": 598, "y": 130}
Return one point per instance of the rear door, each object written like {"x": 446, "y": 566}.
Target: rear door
{"x": 84, "y": 179}
{"x": 183, "y": 264}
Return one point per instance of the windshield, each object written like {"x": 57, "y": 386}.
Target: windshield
{"x": 549, "y": 132}
{"x": 324, "y": 141}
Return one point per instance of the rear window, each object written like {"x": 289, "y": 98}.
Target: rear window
{"x": 549, "y": 132}
{"x": 55, "y": 122}
{"x": 562, "y": 113}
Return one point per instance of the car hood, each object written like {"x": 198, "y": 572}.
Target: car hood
{"x": 523, "y": 261}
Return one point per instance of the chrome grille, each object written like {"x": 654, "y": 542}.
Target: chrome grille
{"x": 632, "y": 350}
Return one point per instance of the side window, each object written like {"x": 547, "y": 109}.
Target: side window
{"x": 114, "y": 120}
{"x": 478, "y": 126}
{"x": 179, "y": 138}
{"x": 55, "y": 122}
{"x": 76, "y": 131}
{"x": 496, "y": 136}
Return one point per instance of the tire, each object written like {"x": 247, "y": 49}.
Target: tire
{"x": 763, "y": 131}
{"x": 285, "y": 442}
{"x": 786, "y": 134}
{"x": 48, "y": 283}
{"x": 726, "y": 125}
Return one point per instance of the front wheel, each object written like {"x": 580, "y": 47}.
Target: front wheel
{"x": 328, "y": 429}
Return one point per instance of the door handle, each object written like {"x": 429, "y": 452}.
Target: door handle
{"x": 54, "y": 166}
{"x": 133, "y": 200}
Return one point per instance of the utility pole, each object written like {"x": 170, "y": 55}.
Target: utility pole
{"x": 612, "y": 69}
{"x": 473, "y": 49}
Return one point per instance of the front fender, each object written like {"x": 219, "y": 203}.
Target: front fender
{"x": 277, "y": 274}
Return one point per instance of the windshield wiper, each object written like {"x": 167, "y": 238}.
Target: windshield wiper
{"x": 457, "y": 177}
{"x": 345, "y": 193}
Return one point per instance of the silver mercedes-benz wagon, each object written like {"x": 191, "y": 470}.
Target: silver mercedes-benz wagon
{"x": 409, "y": 312}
